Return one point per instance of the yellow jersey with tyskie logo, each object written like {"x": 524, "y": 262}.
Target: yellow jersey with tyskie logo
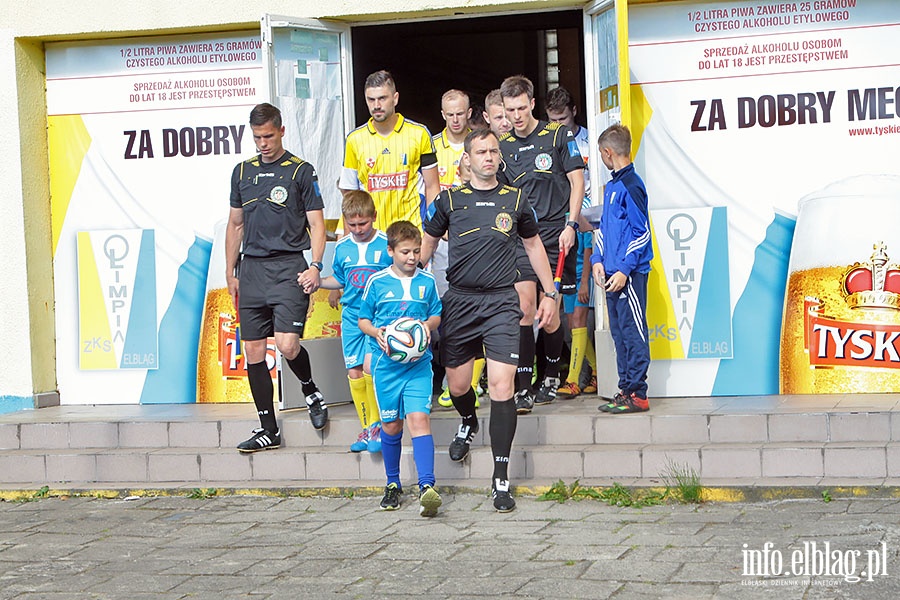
{"x": 388, "y": 168}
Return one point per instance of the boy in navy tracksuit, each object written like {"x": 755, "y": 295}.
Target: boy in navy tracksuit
{"x": 620, "y": 263}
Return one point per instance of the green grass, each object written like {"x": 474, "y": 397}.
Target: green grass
{"x": 683, "y": 482}
{"x": 560, "y": 492}
{"x": 682, "y": 485}
{"x": 617, "y": 495}
{"x": 200, "y": 494}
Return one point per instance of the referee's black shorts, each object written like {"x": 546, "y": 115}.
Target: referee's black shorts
{"x": 550, "y": 237}
{"x": 480, "y": 323}
{"x": 269, "y": 297}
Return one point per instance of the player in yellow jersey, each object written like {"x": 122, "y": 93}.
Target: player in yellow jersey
{"x": 448, "y": 144}
{"x": 387, "y": 156}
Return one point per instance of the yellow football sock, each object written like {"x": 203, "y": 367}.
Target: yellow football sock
{"x": 358, "y": 393}
{"x": 371, "y": 402}
{"x": 576, "y": 359}
{"x": 590, "y": 356}
{"x": 476, "y": 372}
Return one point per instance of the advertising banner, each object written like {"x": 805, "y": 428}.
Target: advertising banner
{"x": 117, "y": 300}
{"x": 785, "y": 114}
{"x": 143, "y": 135}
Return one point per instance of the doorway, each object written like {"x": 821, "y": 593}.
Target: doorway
{"x": 427, "y": 58}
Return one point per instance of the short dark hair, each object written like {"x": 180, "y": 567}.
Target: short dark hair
{"x": 476, "y": 119}
{"x": 515, "y": 86}
{"x": 476, "y": 134}
{"x": 265, "y": 113}
{"x": 381, "y": 78}
{"x": 402, "y": 231}
{"x": 617, "y": 138}
{"x": 559, "y": 98}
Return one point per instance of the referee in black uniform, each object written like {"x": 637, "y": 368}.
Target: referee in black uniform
{"x": 543, "y": 159}
{"x": 481, "y": 312}
{"x": 276, "y": 212}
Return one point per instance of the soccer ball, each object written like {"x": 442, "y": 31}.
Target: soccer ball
{"x": 406, "y": 339}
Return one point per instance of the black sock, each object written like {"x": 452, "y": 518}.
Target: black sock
{"x": 540, "y": 358}
{"x": 526, "y": 358}
{"x": 553, "y": 346}
{"x": 502, "y": 429}
{"x": 437, "y": 380}
{"x": 465, "y": 406}
{"x": 262, "y": 390}
{"x": 303, "y": 370}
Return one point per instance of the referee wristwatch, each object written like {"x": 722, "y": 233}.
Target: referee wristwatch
{"x": 552, "y": 295}
{"x": 573, "y": 225}
{"x": 317, "y": 264}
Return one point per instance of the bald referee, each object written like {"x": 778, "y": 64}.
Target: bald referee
{"x": 481, "y": 309}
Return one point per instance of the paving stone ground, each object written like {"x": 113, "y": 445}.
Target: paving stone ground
{"x": 263, "y": 547}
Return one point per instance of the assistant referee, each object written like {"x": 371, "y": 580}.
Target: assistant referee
{"x": 276, "y": 213}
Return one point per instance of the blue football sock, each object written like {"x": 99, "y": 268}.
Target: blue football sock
{"x": 390, "y": 454}
{"x": 423, "y": 455}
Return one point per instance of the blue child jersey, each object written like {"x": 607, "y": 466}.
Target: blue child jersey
{"x": 388, "y": 296}
{"x": 354, "y": 262}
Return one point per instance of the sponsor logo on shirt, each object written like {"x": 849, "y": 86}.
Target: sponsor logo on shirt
{"x": 388, "y": 181}
{"x": 359, "y": 276}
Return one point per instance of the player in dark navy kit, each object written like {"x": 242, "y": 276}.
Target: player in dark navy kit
{"x": 485, "y": 221}
{"x": 276, "y": 214}
{"x": 543, "y": 159}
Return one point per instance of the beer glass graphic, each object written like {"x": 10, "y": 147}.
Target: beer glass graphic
{"x": 221, "y": 372}
{"x": 841, "y": 327}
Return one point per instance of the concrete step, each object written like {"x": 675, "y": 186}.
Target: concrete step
{"x": 743, "y": 441}
{"x": 317, "y": 466}
{"x": 564, "y": 423}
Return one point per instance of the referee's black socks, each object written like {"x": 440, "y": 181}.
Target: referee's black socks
{"x": 502, "y": 429}
{"x": 465, "y": 406}
{"x": 525, "y": 370}
{"x": 262, "y": 389}
{"x": 303, "y": 370}
{"x": 553, "y": 347}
